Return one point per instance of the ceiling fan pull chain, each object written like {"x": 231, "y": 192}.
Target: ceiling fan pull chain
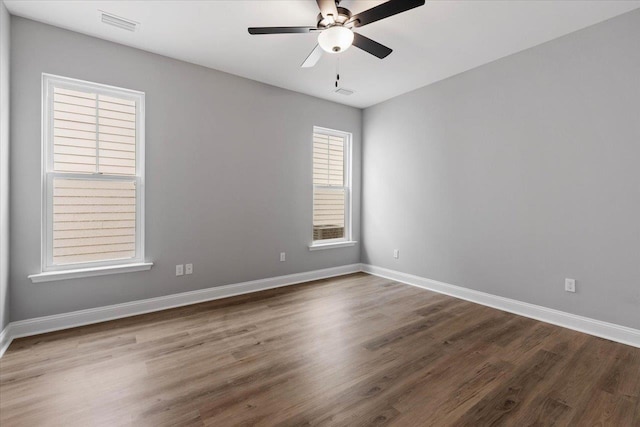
{"x": 337, "y": 71}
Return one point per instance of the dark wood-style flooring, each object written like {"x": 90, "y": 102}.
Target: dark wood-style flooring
{"x": 354, "y": 350}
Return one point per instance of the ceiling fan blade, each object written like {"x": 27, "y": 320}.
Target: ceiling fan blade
{"x": 370, "y": 46}
{"x": 384, "y": 10}
{"x": 313, "y": 57}
{"x": 328, "y": 7}
{"x": 280, "y": 30}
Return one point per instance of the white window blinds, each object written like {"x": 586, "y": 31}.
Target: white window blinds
{"x": 93, "y": 133}
{"x": 94, "y": 178}
{"x": 93, "y": 220}
{"x": 328, "y": 160}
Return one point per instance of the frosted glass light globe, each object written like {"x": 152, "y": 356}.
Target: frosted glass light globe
{"x": 335, "y": 39}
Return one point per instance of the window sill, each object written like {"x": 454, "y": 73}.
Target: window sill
{"x": 51, "y": 276}
{"x": 322, "y": 246}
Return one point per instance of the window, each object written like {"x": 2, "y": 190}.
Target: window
{"x": 331, "y": 187}
{"x": 93, "y": 175}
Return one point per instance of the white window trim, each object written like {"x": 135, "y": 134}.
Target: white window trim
{"x": 347, "y": 239}
{"x": 93, "y": 268}
{"x": 78, "y": 273}
{"x": 323, "y": 246}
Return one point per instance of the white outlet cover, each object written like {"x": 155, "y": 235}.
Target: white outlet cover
{"x": 188, "y": 269}
{"x": 283, "y": 256}
{"x": 570, "y": 285}
{"x": 179, "y": 270}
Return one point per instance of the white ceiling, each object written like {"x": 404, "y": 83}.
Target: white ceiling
{"x": 430, "y": 43}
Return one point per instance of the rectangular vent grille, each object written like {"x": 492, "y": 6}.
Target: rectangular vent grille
{"x": 118, "y": 22}
{"x": 343, "y": 91}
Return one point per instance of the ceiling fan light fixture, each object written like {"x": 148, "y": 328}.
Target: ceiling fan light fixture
{"x": 335, "y": 39}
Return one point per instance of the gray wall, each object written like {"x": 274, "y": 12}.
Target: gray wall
{"x": 512, "y": 176}
{"x": 228, "y": 172}
{"x": 4, "y": 165}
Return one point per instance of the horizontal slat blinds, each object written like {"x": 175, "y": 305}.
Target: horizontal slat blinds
{"x": 328, "y": 207}
{"x": 328, "y": 160}
{"x": 74, "y": 131}
{"x": 329, "y": 186}
{"x": 93, "y": 133}
{"x": 117, "y": 141}
{"x": 93, "y": 220}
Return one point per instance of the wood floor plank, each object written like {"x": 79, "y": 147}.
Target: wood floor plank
{"x": 549, "y": 412}
{"x": 582, "y": 373}
{"x": 606, "y": 409}
{"x": 624, "y": 376}
{"x": 355, "y": 350}
{"x": 511, "y": 397}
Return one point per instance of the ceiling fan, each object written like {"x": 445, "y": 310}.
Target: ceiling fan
{"x": 335, "y": 28}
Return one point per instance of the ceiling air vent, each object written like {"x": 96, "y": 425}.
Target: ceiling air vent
{"x": 343, "y": 91}
{"x": 116, "y": 21}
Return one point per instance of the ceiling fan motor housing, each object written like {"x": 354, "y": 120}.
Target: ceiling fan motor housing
{"x": 343, "y": 17}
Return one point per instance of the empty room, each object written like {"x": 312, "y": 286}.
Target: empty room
{"x": 320, "y": 213}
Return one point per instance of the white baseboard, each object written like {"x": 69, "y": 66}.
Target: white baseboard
{"x": 5, "y": 339}
{"x": 41, "y": 325}
{"x": 610, "y": 331}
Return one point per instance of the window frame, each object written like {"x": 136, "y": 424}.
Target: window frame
{"x": 49, "y": 82}
{"x": 347, "y": 239}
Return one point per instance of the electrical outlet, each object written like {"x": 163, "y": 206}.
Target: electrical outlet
{"x": 570, "y": 285}
{"x": 396, "y": 253}
{"x": 283, "y": 256}
{"x": 179, "y": 270}
{"x": 188, "y": 268}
